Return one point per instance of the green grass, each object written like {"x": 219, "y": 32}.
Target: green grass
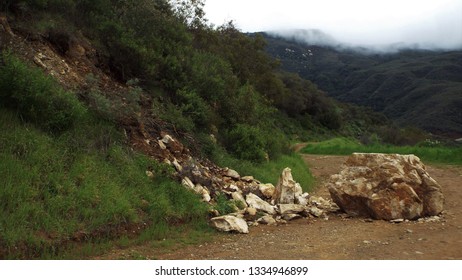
{"x": 345, "y": 146}
{"x": 269, "y": 172}
{"x": 53, "y": 188}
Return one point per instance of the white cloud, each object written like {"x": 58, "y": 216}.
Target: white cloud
{"x": 430, "y": 22}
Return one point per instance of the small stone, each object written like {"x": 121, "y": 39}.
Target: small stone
{"x": 409, "y": 231}
{"x": 232, "y": 174}
{"x": 248, "y": 179}
{"x": 267, "y": 220}
{"x": 267, "y": 190}
{"x": 367, "y": 242}
{"x": 238, "y": 197}
{"x": 162, "y": 145}
{"x": 150, "y": 174}
{"x": 290, "y": 217}
{"x": 177, "y": 166}
{"x": 251, "y": 211}
{"x": 167, "y": 139}
{"x": 419, "y": 253}
{"x": 230, "y": 223}
{"x": 315, "y": 211}
{"x": 290, "y": 208}
{"x": 187, "y": 183}
{"x": 397, "y": 221}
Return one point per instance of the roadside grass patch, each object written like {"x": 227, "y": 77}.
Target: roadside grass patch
{"x": 344, "y": 146}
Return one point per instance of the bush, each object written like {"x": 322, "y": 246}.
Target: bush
{"x": 36, "y": 97}
{"x": 247, "y": 142}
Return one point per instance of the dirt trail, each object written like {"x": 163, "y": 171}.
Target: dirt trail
{"x": 345, "y": 238}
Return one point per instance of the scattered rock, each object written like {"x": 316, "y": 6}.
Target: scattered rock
{"x": 315, "y": 211}
{"x": 302, "y": 199}
{"x": 267, "y": 190}
{"x": 177, "y": 166}
{"x": 232, "y": 174}
{"x": 188, "y": 183}
{"x": 267, "y": 220}
{"x": 230, "y": 223}
{"x": 251, "y": 211}
{"x": 387, "y": 187}
{"x": 248, "y": 179}
{"x": 239, "y": 197}
{"x": 259, "y": 204}
{"x": 290, "y": 208}
{"x": 290, "y": 217}
{"x": 162, "y": 145}
{"x": 150, "y": 174}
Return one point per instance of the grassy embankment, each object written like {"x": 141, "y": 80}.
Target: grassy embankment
{"x": 427, "y": 152}
{"x": 70, "y": 182}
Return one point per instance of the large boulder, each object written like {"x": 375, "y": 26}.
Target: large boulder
{"x": 386, "y": 186}
{"x": 287, "y": 189}
{"x": 230, "y": 223}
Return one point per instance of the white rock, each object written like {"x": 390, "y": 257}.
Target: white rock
{"x": 267, "y": 220}
{"x": 168, "y": 139}
{"x": 251, "y": 211}
{"x": 177, "y": 166}
{"x": 232, "y": 174}
{"x": 239, "y": 197}
{"x": 287, "y": 189}
{"x": 302, "y": 199}
{"x": 290, "y": 208}
{"x": 162, "y": 145}
{"x": 149, "y": 174}
{"x": 267, "y": 190}
{"x": 290, "y": 217}
{"x": 315, "y": 211}
{"x": 259, "y": 204}
{"x": 248, "y": 179}
{"x": 230, "y": 223}
{"x": 187, "y": 183}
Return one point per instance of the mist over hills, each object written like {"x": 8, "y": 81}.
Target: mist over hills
{"x": 411, "y": 84}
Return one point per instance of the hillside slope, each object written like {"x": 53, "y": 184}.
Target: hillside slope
{"x": 413, "y": 87}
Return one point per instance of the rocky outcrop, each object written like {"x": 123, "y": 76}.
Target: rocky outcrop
{"x": 386, "y": 186}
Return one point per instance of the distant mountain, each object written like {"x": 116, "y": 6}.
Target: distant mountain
{"x": 412, "y": 86}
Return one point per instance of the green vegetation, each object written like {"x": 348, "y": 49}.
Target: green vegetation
{"x": 201, "y": 79}
{"x": 37, "y": 98}
{"x": 77, "y": 181}
{"x": 427, "y": 151}
{"x": 413, "y": 87}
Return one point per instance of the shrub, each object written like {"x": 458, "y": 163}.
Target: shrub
{"x": 247, "y": 142}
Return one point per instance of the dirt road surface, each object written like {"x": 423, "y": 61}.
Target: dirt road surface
{"x": 342, "y": 237}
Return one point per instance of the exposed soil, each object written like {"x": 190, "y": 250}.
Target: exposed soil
{"x": 342, "y": 237}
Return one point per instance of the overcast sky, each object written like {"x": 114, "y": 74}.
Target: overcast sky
{"x": 359, "y": 22}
